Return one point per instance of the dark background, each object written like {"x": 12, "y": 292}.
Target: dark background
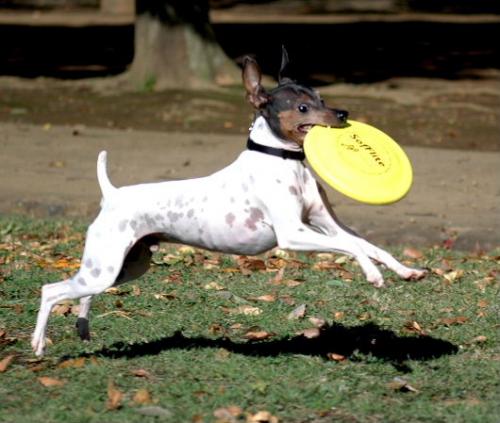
{"x": 438, "y": 38}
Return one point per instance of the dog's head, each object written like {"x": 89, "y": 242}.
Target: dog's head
{"x": 290, "y": 109}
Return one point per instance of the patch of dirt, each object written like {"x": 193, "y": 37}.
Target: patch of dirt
{"x": 463, "y": 114}
{"x": 51, "y": 132}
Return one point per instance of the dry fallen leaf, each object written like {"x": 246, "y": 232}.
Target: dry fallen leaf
{"x": 413, "y": 326}
{"x": 115, "y": 397}
{"x": 287, "y": 299}
{"x": 284, "y": 254}
{"x": 214, "y": 285}
{"x": 317, "y": 321}
{"x": 257, "y": 335}
{"x": 336, "y": 357}
{"x": 231, "y": 270}
{"x": 62, "y": 309}
{"x": 37, "y": 366}
{"x": 72, "y": 362}
{"x": 483, "y": 303}
{"x": 326, "y": 265}
{"x": 262, "y": 417}
{"x": 142, "y": 396}
{"x": 309, "y": 333}
{"x": 364, "y": 316}
{"x": 228, "y": 414}
{"x": 296, "y": 264}
{"x": 454, "y": 275}
{"x": 210, "y": 264}
{"x": 174, "y": 277}
{"x": 4, "y": 363}
{"x": 186, "y": 250}
{"x": 438, "y": 271}
{"x": 399, "y": 384}
{"x": 459, "y": 320}
{"x": 269, "y": 298}
{"x": 246, "y": 310}
{"x": 250, "y": 264}
{"x": 346, "y": 275}
{"x": 141, "y": 373}
{"x": 325, "y": 256}
{"x": 412, "y": 253}
{"x": 165, "y": 296}
{"x": 50, "y": 382}
{"x": 298, "y": 312}
{"x": 338, "y": 315}
{"x": 216, "y": 329}
{"x": 67, "y": 263}
{"x": 416, "y": 326}
{"x": 277, "y": 263}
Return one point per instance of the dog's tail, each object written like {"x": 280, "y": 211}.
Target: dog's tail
{"x": 107, "y": 187}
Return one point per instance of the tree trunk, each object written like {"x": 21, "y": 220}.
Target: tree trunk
{"x": 175, "y": 47}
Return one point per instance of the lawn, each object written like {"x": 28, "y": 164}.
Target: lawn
{"x": 205, "y": 337}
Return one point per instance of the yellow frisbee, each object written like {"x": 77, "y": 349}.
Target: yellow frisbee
{"x": 360, "y": 161}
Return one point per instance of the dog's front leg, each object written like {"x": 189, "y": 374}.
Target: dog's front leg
{"x": 323, "y": 217}
{"x": 286, "y": 215}
{"x": 303, "y": 238}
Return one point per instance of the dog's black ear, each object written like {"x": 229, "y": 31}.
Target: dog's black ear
{"x": 282, "y": 78}
{"x": 252, "y": 76}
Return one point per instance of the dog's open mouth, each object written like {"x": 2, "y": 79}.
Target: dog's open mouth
{"x": 305, "y": 128}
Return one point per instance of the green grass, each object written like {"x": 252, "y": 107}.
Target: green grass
{"x": 439, "y": 335}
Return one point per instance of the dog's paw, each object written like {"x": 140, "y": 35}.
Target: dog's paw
{"x": 38, "y": 345}
{"x": 376, "y": 279}
{"x": 82, "y": 327}
{"x": 414, "y": 274}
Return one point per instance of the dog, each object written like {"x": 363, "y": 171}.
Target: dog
{"x": 266, "y": 198}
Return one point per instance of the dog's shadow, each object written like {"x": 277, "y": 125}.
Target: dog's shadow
{"x": 352, "y": 342}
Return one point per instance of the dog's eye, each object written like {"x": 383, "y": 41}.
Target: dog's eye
{"x": 303, "y": 108}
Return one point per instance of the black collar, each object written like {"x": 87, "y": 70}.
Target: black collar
{"x": 279, "y": 152}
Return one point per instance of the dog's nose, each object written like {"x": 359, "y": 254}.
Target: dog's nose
{"x": 342, "y": 115}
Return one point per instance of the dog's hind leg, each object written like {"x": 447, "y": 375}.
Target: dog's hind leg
{"x": 83, "y": 285}
{"x": 82, "y": 323}
{"x": 101, "y": 264}
{"x": 136, "y": 263}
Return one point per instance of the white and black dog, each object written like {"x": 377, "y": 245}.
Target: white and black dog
{"x": 267, "y": 197}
